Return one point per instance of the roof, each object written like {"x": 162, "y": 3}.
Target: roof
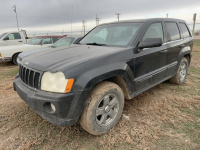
{"x": 147, "y": 19}
{"x": 48, "y": 36}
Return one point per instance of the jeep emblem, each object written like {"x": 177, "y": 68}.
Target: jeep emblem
{"x": 26, "y": 63}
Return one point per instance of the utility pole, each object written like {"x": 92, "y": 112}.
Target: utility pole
{"x": 194, "y": 19}
{"x": 167, "y": 15}
{"x": 15, "y": 10}
{"x": 97, "y": 20}
{"x": 83, "y": 21}
{"x": 118, "y": 15}
{"x": 71, "y": 20}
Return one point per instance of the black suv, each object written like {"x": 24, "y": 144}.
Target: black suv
{"x": 89, "y": 81}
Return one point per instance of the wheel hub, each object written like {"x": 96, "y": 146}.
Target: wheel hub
{"x": 107, "y": 109}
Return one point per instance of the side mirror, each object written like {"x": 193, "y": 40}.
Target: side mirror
{"x": 150, "y": 42}
{"x": 6, "y": 38}
{"x": 26, "y": 37}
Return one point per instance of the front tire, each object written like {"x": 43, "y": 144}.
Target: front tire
{"x": 103, "y": 108}
{"x": 181, "y": 74}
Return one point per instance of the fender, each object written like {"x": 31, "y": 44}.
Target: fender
{"x": 184, "y": 51}
{"x": 90, "y": 78}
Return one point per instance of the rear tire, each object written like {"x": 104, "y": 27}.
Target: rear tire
{"x": 181, "y": 74}
{"x": 103, "y": 108}
{"x": 14, "y": 59}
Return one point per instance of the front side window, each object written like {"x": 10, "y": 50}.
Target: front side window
{"x": 14, "y": 36}
{"x": 154, "y": 31}
{"x": 184, "y": 30}
{"x": 34, "y": 41}
{"x": 119, "y": 34}
{"x": 46, "y": 41}
{"x": 63, "y": 42}
{"x": 172, "y": 31}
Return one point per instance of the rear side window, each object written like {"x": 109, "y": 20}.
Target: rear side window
{"x": 184, "y": 30}
{"x": 47, "y": 41}
{"x": 172, "y": 31}
{"x": 154, "y": 31}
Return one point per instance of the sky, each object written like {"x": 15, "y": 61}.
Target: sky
{"x": 56, "y": 15}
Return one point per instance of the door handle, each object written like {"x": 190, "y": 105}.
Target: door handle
{"x": 163, "y": 51}
{"x": 181, "y": 46}
{"x": 19, "y": 41}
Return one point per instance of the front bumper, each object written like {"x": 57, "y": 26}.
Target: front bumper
{"x": 6, "y": 59}
{"x": 68, "y": 106}
{"x": 1, "y": 58}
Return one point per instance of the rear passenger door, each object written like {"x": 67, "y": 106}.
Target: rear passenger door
{"x": 150, "y": 63}
{"x": 174, "y": 44}
{"x": 187, "y": 37}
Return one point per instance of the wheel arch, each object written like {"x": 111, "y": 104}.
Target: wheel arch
{"x": 15, "y": 54}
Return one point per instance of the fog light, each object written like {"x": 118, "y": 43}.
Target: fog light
{"x": 49, "y": 107}
{"x": 53, "y": 107}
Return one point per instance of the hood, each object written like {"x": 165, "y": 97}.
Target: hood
{"x": 61, "y": 59}
{"x": 24, "y": 54}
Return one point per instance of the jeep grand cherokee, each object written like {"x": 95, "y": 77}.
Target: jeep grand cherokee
{"x": 89, "y": 81}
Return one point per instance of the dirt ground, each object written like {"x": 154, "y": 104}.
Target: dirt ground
{"x": 165, "y": 117}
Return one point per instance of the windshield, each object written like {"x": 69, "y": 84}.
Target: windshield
{"x": 34, "y": 41}
{"x": 63, "y": 42}
{"x": 119, "y": 34}
{"x": 2, "y": 35}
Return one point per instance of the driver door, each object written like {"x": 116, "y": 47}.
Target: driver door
{"x": 150, "y": 63}
{"x": 14, "y": 39}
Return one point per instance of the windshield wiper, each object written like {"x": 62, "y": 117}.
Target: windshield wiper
{"x": 98, "y": 44}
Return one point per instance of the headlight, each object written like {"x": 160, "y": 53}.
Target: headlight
{"x": 56, "y": 82}
{"x": 0, "y": 55}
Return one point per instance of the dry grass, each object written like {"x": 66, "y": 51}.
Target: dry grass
{"x": 165, "y": 117}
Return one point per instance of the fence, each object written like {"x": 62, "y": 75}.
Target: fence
{"x": 74, "y": 33}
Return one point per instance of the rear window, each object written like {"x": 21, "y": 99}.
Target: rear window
{"x": 172, "y": 31}
{"x": 184, "y": 30}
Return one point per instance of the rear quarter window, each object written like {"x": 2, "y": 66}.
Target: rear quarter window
{"x": 172, "y": 31}
{"x": 185, "y": 30}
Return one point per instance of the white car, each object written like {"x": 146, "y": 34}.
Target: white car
{"x": 66, "y": 41}
{"x": 10, "y": 53}
{"x": 13, "y": 38}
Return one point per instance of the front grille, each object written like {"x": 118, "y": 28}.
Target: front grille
{"x": 30, "y": 77}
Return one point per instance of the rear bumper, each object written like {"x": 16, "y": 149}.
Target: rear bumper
{"x": 68, "y": 106}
